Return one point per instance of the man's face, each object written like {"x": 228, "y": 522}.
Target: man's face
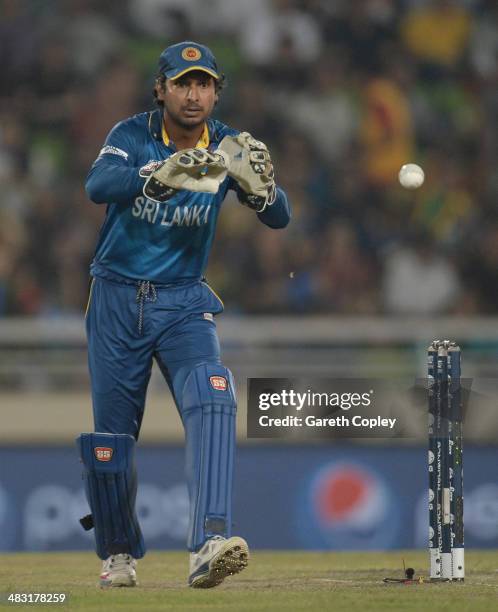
{"x": 190, "y": 99}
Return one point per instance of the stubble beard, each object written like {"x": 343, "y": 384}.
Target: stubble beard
{"x": 186, "y": 124}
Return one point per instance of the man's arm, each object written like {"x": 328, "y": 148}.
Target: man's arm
{"x": 277, "y": 215}
{"x": 113, "y": 176}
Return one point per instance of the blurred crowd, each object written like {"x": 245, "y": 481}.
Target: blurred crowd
{"x": 342, "y": 92}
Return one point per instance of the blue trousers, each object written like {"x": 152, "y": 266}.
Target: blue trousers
{"x": 128, "y": 326}
{"x": 127, "y": 331}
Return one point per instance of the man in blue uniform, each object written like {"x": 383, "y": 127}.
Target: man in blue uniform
{"x": 163, "y": 176}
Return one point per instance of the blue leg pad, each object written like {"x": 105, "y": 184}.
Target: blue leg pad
{"x": 208, "y": 408}
{"x": 111, "y": 489}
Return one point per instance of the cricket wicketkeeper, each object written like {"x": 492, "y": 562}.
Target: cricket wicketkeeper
{"x": 164, "y": 175}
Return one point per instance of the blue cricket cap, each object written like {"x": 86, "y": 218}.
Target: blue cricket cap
{"x": 186, "y": 56}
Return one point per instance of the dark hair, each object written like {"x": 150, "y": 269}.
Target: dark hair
{"x": 219, "y": 84}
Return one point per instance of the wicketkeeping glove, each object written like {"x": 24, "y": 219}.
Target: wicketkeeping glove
{"x": 191, "y": 169}
{"x": 249, "y": 164}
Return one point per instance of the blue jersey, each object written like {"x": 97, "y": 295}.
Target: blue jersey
{"x": 166, "y": 242}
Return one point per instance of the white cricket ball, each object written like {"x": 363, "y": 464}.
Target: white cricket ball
{"x": 411, "y": 176}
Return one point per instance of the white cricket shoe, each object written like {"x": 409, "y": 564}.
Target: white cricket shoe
{"x": 216, "y": 560}
{"x": 119, "y": 571}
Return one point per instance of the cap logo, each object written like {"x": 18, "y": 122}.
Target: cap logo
{"x": 191, "y": 54}
{"x": 219, "y": 383}
{"x": 103, "y": 453}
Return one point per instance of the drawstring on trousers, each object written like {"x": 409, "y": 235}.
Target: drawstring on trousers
{"x": 146, "y": 292}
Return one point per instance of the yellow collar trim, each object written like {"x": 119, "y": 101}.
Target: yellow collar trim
{"x": 202, "y": 143}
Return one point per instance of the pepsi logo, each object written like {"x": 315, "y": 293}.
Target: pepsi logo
{"x": 348, "y": 505}
{"x": 347, "y": 495}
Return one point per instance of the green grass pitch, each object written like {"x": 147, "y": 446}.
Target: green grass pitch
{"x": 290, "y": 581}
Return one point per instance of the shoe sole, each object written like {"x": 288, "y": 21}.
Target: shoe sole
{"x": 231, "y": 559}
{"x": 118, "y": 581}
